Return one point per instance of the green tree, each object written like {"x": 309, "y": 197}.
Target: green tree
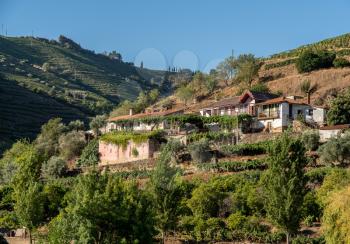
{"x": 165, "y": 193}
{"x": 200, "y": 151}
{"x": 89, "y": 155}
{"x": 311, "y": 139}
{"x": 97, "y": 123}
{"x": 47, "y": 140}
{"x": 308, "y": 89}
{"x": 71, "y": 144}
{"x": 29, "y": 207}
{"x": 311, "y": 60}
{"x": 54, "y": 168}
{"x": 339, "y": 109}
{"x": 284, "y": 183}
{"x": 336, "y": 151}
{"x": 341, "y": 63}
{"x": 103, "y": 209}
{"x": 247, "y": 68}
{"x": 226, "y": 70}
{"x": 153, "y": 95}
{"x": 185, "y": 94}
{"x": 76, "y": 125}
{"x": 336, "y": 217}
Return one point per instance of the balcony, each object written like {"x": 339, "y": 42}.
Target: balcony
{"x": 269, "y": 115}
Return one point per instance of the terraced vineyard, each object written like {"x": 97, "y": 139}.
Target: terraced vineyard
{"x": 22, "y": 112}
{"x": 48, "y": 78}
{"x": 64, "y": 70}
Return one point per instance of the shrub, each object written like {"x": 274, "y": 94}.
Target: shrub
{"x": 313, "y": 60}
{"x": 341, "y": 63}
{"x": 90, "y": 155}
{"x": 311, "y": 139}
{"x": 55, "y": 167}
{"x": 336, "y": 217}
{"x": 339, "y": 109}
{"x": 308, "y": 240}
{"x": 236, "y": 221}
{"x": 260, "y": 87}
{"x": 71, "y": 144}
{"x": 200, "y": 151}
{"x": 246, "y": 149}
{"x": 336, "y": 151}
{"x": 233, "y": 166}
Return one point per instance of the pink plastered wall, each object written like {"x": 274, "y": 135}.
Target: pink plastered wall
{"x": 114, "y": 154}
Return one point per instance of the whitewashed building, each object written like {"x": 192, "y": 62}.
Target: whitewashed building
{"x": 276, "y": 115}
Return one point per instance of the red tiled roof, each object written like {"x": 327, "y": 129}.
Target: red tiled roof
{"x": 258, "y": 96}
{"x": 144, "y": 115}
{"x": 232, "y": 101}
{"x": 335, "y": 127}
{"x": 282, "y": 100}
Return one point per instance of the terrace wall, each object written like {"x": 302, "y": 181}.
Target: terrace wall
{"x": 111, "y": 154}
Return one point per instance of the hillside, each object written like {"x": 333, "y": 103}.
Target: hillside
{"x": 62, "y": 69}
{"x": 47, "y": 78}
{"x": 280, "y": 74}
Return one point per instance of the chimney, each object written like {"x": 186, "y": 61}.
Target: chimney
{"x": 131, "y": 111}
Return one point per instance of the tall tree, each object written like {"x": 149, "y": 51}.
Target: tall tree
{"x": 285, "y": 183}
{"x": 339, "y": 109}
{"x": 165, "y": 193}
{"x": 247, "y": 68}
{"x": 308, "y": 89}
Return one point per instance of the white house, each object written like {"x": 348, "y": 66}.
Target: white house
{"x": 275, "y": 115}
{"x": 138, "y": 122}
{"x": 244, "y": 104}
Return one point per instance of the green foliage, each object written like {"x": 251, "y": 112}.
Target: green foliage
{"x": 336, "y": 151}
{"x": 71, "y": 144}
{"x": 335, "y": 180}
{"x": 336, "y": 217}
{"x": 90, "y": 155}
{"x": 340, "y": 42}
{"x": 233, "y": 166}
{"x": 211, "y": 136}
{"x": 200, "y": 151}
{"x": 247, "y": 149}
{"x": 185, "y": 94}
{"x": 259, "y": 87}
{"x": 121, "y": 138}
{"x": 339, "y": 109}
{"x": 76, "y": 125}
{"x": 311, "y": 139}
{"x": 103, "y": 209}
{"x": 165, "y": 193}
{"x": 247, "y": 68}
{"x": 29, "y": 206}
{"x": 317, "y": 175}
{"x": 308, "y": 240}
{"x": 279, "y": 64}
{"x": 97, "y": 123}
{"x": 47, "y": 141}
{"x": 314, "y": 60}
{"x": 170, "y": 151}
{"x": 55, "y": 167}
{"x": 206, "y": 201}
{"x": 341, "y": 63}
{"x": 284, "y": 183}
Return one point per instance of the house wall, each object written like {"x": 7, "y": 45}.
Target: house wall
{"x": 325, "y": 135}
{"x": 114, "y": 154}
{"x": 319, "y": 116}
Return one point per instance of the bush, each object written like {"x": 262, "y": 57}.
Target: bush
{"x": 308, "y": 240}
{"x": 260, "y": 87}
{"x": 246, "y": 149}
{"x": 311, "y": 139}
{"x": 314, "y": 60}
{"x": 339, "y": 109}
{"x": 55, "y": 167}
{"x": 233, "y": 166}
{"x": 71, "y": 144}
{"x": 341, "y": 63}
{"x": 336, "y": 151}
{"x": 90, "y": 155}
{"x": 200, "y": 151}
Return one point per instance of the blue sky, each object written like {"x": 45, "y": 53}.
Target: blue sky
{"x": 185, "y": 33}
